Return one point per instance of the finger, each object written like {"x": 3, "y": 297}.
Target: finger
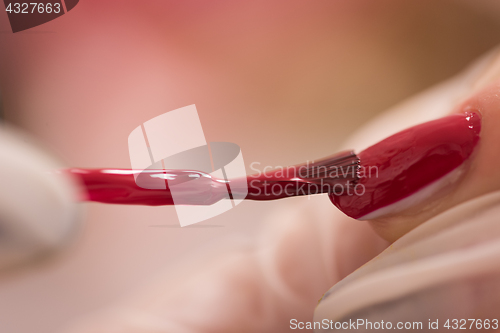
{"x": 432, "y": 167}
{"x": 304, "y": 250}
{"x": 444, "y": 269}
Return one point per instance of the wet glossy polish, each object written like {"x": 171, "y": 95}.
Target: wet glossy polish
{"x": 117, "y": 186}
{"x": 406, "y": 162}
{"x": 154, "y": 187}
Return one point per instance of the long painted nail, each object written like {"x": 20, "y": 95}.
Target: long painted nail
{"x": 409, "y": 161}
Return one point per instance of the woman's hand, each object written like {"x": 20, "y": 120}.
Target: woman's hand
{"x": 440, "y": 267}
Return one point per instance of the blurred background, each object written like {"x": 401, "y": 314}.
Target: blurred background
{"x": 285, "y": 80}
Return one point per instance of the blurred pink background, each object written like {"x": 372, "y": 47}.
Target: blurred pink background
{"x": 286, "y": 80}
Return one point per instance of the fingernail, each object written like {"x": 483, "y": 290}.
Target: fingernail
{"x": 408, "y": 162}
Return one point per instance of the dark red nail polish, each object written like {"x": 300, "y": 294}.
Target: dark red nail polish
{"x": 406, "y": 162}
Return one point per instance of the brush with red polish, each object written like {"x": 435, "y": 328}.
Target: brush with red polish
{"x": 405, "y": 163}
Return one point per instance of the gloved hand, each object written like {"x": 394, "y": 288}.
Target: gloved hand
{"x": 38, "y": 209}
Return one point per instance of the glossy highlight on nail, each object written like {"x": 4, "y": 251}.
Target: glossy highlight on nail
{"x": 408, "y": 161}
